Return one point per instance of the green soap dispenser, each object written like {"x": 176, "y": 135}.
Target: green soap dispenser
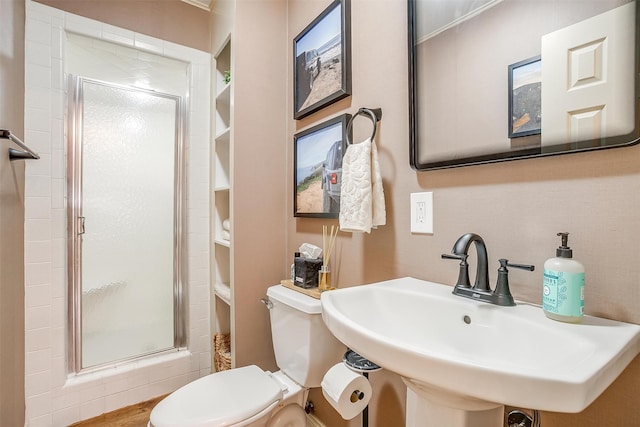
{"x": 563, "y": 285}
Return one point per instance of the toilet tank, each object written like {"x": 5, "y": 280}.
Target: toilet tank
{"x": 304, "y": 347}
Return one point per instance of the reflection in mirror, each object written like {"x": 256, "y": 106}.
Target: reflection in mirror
{"x": 493, "y": 80}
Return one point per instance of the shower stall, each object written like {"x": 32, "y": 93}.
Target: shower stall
{"x": 116, "y": 270}
{"x": 125, "y": 222}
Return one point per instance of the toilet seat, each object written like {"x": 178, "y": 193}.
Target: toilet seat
{"x": 221, "y": 399}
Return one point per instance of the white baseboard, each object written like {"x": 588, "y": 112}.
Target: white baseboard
{"x": 313, "y": 421}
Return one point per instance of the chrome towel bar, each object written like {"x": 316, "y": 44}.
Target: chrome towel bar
{"x": 18, "y": 154}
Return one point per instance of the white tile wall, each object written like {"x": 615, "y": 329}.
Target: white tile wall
{"x": 54, "y": 398}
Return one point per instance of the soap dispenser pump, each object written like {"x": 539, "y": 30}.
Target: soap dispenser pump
{"x": 563, "y": 285}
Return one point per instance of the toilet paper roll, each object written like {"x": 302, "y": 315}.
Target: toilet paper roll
{"x": 347, "y": 391}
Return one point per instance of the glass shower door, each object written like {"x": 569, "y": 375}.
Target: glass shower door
{"x": 125, "y": 222}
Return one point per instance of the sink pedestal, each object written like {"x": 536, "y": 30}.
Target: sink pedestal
{"x": 428, "y": 406}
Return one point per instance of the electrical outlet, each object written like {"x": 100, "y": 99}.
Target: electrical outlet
{"x": 422, "y": 213}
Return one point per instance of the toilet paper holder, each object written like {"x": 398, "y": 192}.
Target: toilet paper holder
{"x": 358, "y": 363}
{"x": 361, "y": 364}
{"x": 356, "y": 395}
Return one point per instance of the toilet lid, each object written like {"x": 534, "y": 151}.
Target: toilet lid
{"x": 219, "y": 399}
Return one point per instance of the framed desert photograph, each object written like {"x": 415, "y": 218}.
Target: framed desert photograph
{"x": 317, "y": 172}
{"x": 322, "y": 60}
{"x": 525, "y": 98}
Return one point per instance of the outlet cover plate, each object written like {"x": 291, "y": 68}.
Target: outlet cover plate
{"x": 422, "y": 213}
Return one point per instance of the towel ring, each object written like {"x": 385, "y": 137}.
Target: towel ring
{"x": 375, "y": 114}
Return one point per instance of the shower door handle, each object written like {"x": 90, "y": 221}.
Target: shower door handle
{"x": 80, "y": 225}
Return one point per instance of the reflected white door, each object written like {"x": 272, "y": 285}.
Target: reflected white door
{"x": 580, "y": 101}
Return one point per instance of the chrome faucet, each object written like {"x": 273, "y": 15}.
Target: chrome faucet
{"x": 501, "y": 295}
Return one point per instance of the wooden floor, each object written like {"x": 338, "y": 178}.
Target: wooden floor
{"x": 132, "y": 416}
{"x": 138, "y": 416}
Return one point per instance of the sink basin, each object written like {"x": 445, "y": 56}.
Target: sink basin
{"x": 480, "y": 352}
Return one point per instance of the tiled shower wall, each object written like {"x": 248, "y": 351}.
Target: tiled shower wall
{"x": 54, "y": 398}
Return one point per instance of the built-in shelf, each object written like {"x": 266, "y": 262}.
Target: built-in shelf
{"x": 224, "y": 136}
{"x": 223, "y": 291}
{"x": 222, "y": 146}
{"x": 222, "y": 242}
{"x": 221, "y": 163}
{"x": 224, "y": 96}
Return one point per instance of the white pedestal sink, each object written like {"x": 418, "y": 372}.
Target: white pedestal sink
{"x": 465, "y": 359}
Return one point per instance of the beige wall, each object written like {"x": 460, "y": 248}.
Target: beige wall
{"x": 11, "y": 216}
{"x": 259, "y": 86}
{"x": 518, "y": 207}
{"x": 171, "y": 20}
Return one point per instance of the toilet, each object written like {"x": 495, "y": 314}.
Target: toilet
{"x": 248, "y": 396}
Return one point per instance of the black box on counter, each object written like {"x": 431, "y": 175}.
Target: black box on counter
{"x": 306, "y": 272}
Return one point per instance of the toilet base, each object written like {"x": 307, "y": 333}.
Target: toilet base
{"x": 291, "y": 415}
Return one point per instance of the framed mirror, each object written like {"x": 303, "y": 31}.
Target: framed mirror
{"x": 495, "y": 80}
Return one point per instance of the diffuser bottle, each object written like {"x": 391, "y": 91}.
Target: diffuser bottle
{"x": 563, "y": 285}
{"x": 324, "y": 278}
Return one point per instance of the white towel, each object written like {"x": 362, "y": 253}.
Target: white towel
{"x": 226, "y": 225}
{"x": 361, "y": 194}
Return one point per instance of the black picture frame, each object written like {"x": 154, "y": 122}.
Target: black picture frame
{"x": 322, "y": 60}
{"x": 525, "y": 98}
{"x": 317, "y": 168}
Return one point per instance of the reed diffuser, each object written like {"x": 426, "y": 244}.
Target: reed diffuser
{"x": 328, "y": 241}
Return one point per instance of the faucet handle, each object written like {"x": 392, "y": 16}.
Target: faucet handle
{"x": 463, "y": 275}
{"x": 502, "y": 293}
{"x": 504, "y": 263}
{"x": 462, "y": 257}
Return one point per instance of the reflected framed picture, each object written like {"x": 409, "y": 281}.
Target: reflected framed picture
{"x": 525, "y": 98}
{"x": 317, "y": 171}
{"x": 322, "y": 60}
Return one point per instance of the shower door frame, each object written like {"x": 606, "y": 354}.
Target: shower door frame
{"x": 75, "y": 225}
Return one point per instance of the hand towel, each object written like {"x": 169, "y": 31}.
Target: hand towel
{"x": 226, "y": 225}
{"x": 362, "y": 205}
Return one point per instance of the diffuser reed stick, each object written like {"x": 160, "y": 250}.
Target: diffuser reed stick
{"x": 328, "y": 242}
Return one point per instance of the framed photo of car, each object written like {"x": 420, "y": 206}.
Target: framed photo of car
{"x": 317, "y": 171}
{"x": 322, "y": 60}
